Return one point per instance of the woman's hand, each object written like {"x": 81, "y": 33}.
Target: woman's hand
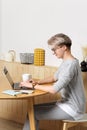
{"x": 33, "y": 81}
{"x": 26, "y": 84}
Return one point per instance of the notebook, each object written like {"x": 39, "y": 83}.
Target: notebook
{"x": 17, "y": 92}
{"x": 15, "y": 86}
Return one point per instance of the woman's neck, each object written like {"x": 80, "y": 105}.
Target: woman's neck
{"x": 68, "y": 55}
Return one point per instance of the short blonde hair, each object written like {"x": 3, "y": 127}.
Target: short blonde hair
{"x": 60, "y": 39}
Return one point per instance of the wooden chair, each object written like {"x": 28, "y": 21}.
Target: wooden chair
{"x": 69, "y": 123}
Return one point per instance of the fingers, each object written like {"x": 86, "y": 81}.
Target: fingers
{"x": 21, "y": 84}
{"x": 26, "y": 84}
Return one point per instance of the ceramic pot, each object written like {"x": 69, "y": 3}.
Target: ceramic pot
{"x": 10, "y": 56}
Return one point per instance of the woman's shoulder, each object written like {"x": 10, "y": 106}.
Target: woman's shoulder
{"x": 71, "y": 63}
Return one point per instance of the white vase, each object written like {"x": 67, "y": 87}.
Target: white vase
{"x": 10, "y": 56}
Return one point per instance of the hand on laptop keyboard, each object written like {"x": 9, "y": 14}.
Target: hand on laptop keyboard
{"x": 26, "y": 85}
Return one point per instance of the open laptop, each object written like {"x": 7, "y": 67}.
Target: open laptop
{"x": 15, "y": 86}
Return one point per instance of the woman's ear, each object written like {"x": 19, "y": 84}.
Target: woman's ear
{"x": 64, "y": 47}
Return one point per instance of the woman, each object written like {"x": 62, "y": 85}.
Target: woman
{"x": 67, "y": 80}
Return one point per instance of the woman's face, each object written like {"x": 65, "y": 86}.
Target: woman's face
{"x": 59, "y": 51}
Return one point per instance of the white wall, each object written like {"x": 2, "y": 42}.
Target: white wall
{"x": 27, "y": 24}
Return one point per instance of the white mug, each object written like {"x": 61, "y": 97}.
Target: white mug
{"x": 26, "y": 77}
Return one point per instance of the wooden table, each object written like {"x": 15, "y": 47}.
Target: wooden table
{"x": 29, "y": 97}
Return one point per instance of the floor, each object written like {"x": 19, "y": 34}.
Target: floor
{"x": 9, "y": 125}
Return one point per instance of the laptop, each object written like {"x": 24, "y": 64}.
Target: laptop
{"x": 15, "y": 86}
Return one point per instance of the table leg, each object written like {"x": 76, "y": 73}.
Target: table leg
{"x": 31, "y": 114}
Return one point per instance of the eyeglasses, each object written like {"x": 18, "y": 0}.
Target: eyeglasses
{"x": 57, "y": 47}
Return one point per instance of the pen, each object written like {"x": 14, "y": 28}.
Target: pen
{"x": 24, "y": 93}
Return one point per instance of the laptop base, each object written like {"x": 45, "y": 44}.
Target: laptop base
{"x": 16, "y": 87}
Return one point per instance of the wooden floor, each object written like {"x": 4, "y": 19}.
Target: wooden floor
{"x": 9, "y": 125}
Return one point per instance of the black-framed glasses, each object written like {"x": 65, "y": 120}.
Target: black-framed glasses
{"x": 55, "y": 48}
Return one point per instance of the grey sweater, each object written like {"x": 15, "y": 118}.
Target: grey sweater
{"x": 70, "y": 85}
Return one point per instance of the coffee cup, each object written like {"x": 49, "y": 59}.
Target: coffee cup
{"x": 26, "y": 77}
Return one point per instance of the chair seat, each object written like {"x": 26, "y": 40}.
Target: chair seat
{"x": 84, "y": 119}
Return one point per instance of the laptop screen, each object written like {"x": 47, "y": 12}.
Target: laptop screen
{"x": 8, "y": 76}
